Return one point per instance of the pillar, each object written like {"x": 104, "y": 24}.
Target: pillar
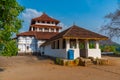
{"x": 55, "y": 30}
{"x": 86, "y": 44}
{"x": 49, "y": 29}
{"x": 67, "y": 44}
{"x": 31, "y": 28}
{"x": 37, "y": 29}
{"x": 77, "y": 44}
{"x": 97, "y": 44}
{"x": 43, "y": 30}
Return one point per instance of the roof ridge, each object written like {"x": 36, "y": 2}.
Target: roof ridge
{"x": 68, "y": 30}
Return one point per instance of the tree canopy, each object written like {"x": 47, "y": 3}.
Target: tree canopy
{"x": 9, "y": 26}
{"x": 112, "y": 27}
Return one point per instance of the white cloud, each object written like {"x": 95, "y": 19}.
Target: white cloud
{"x": 63, "y": 26}
{"x": 26, "y": 16}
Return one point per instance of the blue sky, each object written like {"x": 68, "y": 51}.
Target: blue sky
{"x": 84, "y": 13}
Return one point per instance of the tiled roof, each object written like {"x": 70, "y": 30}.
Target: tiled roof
{"x": 76, "y": 32}
{"x": 45, "y": 26}
{"x": 80, "y": 33}
{"x": 45, "y": 17}
{"x": 39, "y": 35}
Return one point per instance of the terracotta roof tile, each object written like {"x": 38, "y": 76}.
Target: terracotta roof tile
{"x": 39, "y": 35}
{"x": 77, "y": 32}
{"x": 45, "y": 17}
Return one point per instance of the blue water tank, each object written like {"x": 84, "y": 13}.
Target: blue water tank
{"x": 70, "y": 54}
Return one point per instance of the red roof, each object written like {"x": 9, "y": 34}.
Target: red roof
{"x": 76, "y": 32}
{"x": 45, "y": 26}
{"x": 39, "y": 35}
{"x": 80, "y": 33}
{"x": 45, "y": 17}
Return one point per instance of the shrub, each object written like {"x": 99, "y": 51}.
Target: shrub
{"x": 57, "y": 60}
{"x": 76, "y": 61}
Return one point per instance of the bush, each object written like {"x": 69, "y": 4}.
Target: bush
{"x": 108, "y": 48}
{"x": 76, "y": 61}
{"x": 59, "y": 61}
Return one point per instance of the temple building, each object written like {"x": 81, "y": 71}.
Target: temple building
{"x": 41, "y": 29}
{"x": 44, "y": 37}
{"x": 82, "y": 43}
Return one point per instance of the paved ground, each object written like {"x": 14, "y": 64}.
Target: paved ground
{"x": 32, "y": 68}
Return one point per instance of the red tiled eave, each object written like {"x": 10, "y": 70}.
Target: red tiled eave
{"x": 45, "y": 17}
{"x": 76, "y": 32}
{"x": 38, "y": 35}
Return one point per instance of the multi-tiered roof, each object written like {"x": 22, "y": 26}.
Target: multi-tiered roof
{"x": 42, "y": 27}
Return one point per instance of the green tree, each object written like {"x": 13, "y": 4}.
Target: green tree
{"x": 9, "y": 26}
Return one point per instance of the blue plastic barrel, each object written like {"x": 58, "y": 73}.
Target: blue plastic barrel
{"x": 70, "y": 54}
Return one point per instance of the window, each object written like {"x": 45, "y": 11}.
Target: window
{"x": 43, "y": 21}
{"x": 81, "y": 44}
{"x": 33, "y": 28}
{"x": 57, "y": 30}
{"x": 48, "y": 22}
{"x": 53, "y": 45}
{"x": 91, "y": 44}
{"x": 64, "y": 43}
{"x": 52, "y": 30}
{"x": 72, "y": 43}
{"x": 52, "y": 22}
{"x": 57, "y": 44}
{"x": 40, "y": 29}
{"x": 46, "y": 29}
{"x": 27, "y": 47}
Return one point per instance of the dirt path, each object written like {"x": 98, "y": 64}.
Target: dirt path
{"x": 30, "y": 68}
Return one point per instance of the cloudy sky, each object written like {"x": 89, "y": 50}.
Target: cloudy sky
{"x": 88, "y": 14}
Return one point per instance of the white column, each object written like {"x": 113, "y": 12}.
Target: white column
{"x": 67, "y": 44}
{"x": 86, "y": 44}
{"x": 49, "y": 29}
{"x": 31, "y": 28}
{"x": 77, "y": 43}
{"x": 43, "y": 30}
{"x": 37, "y": 29}
{"x": 55, "y": 30}
{"x": 97, "y": 44}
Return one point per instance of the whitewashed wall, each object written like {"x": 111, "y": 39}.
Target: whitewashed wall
{"x": 39, "y": 43}
{"x": 23, "y": 42}
{"x": 96, "y": 53}
{"x": 61, "y": 53}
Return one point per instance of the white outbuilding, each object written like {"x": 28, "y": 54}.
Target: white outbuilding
{"x": 73, "y": 43}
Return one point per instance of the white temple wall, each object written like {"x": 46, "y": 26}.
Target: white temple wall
{"x": 96, "y": 53}
{"x": 27, "y": 44}
{"x": 61, "y": 53}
